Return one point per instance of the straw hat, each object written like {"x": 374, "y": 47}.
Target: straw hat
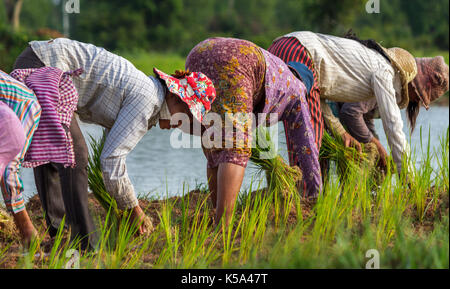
{"x": 406, "y": 66}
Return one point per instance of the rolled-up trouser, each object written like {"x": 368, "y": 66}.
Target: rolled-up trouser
{"x": 64, "y": 191}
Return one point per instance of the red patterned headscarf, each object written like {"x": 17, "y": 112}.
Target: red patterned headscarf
{"x": 195, "y": 89}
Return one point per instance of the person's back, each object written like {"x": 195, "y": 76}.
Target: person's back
{"x": 108, "y": 79}
{"x": 345, "y": 66}
{"x": 12, "y": 136}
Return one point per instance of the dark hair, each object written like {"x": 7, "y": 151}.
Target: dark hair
{"x": 369, "y": 43}
{"x": 181, "y": 73}
{"x": 412, "y": 111}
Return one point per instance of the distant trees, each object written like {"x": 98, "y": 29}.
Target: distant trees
{"x": 177, "y": 25}
{"x": 13, "y": 9}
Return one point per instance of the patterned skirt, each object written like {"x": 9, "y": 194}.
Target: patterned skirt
{"x": 237, "y": 69}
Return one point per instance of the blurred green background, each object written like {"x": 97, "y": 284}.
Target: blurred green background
{"x": 161, "y": 32}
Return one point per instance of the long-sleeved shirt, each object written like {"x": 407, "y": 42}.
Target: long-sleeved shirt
{"x": 358, "y": 118}
{"x": 113, "y": 93}
{"x": 351, "y": 72}
{"x": 25, "y": 105}
{"x": 12, "y": 136}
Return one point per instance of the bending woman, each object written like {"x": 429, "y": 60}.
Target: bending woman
{"x": 248, "y": 79}
{"x": 23, "y": 102}
{"x": 114, "y": 94}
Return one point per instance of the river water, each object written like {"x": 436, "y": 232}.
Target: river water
{"x": 158, "y": 170}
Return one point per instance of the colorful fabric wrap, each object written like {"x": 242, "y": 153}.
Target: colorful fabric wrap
{"x": 58, "y": 98}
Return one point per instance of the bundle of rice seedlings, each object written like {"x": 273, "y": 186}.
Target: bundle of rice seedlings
{"x": 282, "y": 179}
{"x": 7, "y": 227}
{"x": 348, "y": 158}
{"x": 96, "y": 184}
{"x": 115, "y": 217}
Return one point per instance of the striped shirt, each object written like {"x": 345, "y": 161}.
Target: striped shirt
{"x": 24, "y": 103}
{"x": 112, "y": 93}
{"x": 350, "y": 72}
{"x": 58, "y": 98}
{"x": 12, "y": 136}
{"x": 289, "y": 49}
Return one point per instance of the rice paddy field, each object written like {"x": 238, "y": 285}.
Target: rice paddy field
{"x": 404, "y": 219}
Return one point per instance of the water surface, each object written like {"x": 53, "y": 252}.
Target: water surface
{"x": 158, "y": 170}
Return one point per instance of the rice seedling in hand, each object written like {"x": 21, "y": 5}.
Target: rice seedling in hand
{"x": 283, "y": 181}
{"x": 348, "y": 158}
{"x": 281, "y": 178}
{"x": 97, "y": 185}
{"x": 7, "y": 226}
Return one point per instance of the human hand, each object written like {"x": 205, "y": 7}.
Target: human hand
{"x": 382, "y": 152}
{"x": 350, "y": 141}
{"x": 139, "y": 218}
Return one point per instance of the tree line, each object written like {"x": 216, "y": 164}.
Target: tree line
{"x": 177, "y": 25}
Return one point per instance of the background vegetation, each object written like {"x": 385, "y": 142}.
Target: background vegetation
{"x": 177, "y": 25}
{"x": 408, "y": 226}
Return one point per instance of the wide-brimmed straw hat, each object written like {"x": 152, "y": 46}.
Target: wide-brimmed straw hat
{"x": 405, "y": 64}
{"x": 432, "y": 80}
{"x": 195, "y": 89}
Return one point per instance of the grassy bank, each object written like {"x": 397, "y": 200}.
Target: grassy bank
{"x": 404, "y": 218}
{"x": 145, "y": 61}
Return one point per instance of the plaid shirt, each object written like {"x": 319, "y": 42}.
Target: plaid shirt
{"x": 113, "y": 94}
{"x": 25, "y": 105}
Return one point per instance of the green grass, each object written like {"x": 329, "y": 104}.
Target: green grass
{"x": 404, "y": 218}
{"x": 146, "y": 61}
{"x": 431, "y": 53}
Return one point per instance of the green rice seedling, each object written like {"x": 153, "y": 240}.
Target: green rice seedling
{"x": 326, "y": 215}
{"x": 347, "y": 158}
{"x": 119, "y": 255}
{"x": 442, "y": 156}
{"x": 229, "y": 234}
{"x": 97, "y": 185}
{"x": 392, "y": 203}
{"x": 421, "y": 181}
{"x": 194, "y": 243}
{"x": 254, "y": 224}
{"x": 59, "y": 254}
{"x": 349, "y": 218}
{"x": 169, "y": 254}
{"x": 185, "y": 202}
{"x": 3, "y": 253}
{"x": 28, "y": 257}
{"x": 282, "y": 179}
{"x": 7, "y": 226}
